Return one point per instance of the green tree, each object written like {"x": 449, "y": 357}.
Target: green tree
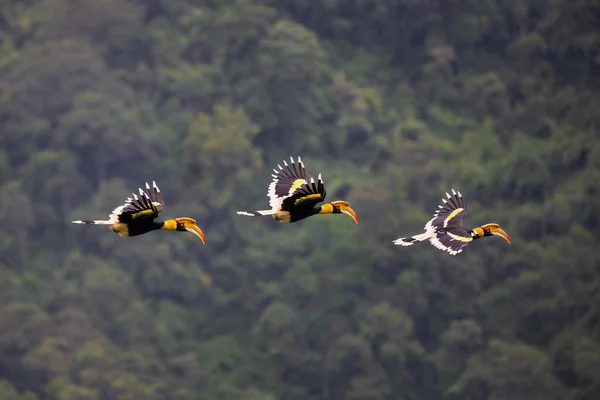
{"x": 106, "y": 127}
{"x": 16, "y": 211}
{"x": 509, "y": 371}
{"x": 221, "y": 145}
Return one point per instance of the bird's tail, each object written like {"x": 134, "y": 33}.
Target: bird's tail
{"x": 257, "y": 213}
{"x": 409, "y": 241}
{"x": 89, "y": 221}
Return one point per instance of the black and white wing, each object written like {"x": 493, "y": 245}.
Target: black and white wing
{"x": 291, "y": 187}
{"x": 451, "y": 242}
{"x": 139, "y": 207}
{"x": 449, "y": 214}
{"x": 447, "y": 223}
{"x": 306, "y": 196}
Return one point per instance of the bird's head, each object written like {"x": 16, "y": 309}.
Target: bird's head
{"x": 491, "y": 230}
{"x": 184, "y": 224}
{"x": 339, "y": 207}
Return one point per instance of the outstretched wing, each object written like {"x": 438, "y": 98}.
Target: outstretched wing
{"x": 450, "y": 213}
{"x": 447, "y": 223}
{"x": 306, "y": 196}
{"x": 291, "y": 181}
{"x": 155, "y": 197}
{"x": 139, "y": 207}
{"x": 452, "y": 242}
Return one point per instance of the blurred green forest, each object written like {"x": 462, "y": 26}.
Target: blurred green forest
{"x": 395, "y": 102}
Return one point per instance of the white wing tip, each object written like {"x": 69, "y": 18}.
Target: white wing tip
{"x": 147, "y": 186}
{"x": 77, "y": 221}
{"x": 453, "y": 192}
{"x": 245, "y": 213}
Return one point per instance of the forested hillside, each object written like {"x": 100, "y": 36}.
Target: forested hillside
{"x": 395, "y": 102}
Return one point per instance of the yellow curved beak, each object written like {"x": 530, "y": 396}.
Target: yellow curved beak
{"x": 193, "y": 228}
{"x": 350, "y": 212}
{"x": 501, "y": 233}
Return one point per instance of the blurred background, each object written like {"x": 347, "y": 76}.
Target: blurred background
{"x": 395, "y": 102}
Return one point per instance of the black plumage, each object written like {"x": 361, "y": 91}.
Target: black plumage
{"x": 294, "y": 196}
{"x": 445, "y": 230}
{"x": 138, "y": 216}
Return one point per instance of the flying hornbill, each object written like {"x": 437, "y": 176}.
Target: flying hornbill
{"x": 137, "y": 216}
{"x": 446, "y": 231}
{"x": 294, "y": 196}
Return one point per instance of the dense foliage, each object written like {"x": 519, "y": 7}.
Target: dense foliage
{"x": 395, "y": 102}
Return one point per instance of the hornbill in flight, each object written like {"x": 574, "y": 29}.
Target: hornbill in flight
{"x": 137, "y": 216}
{"x": 446, "y": 231}
{"x": 294, "y": 196}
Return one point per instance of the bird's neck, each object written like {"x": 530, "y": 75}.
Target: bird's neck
{"x": 324, "y": 209}
{"x": 168, "y": 225}
{"x": 474, "y": 234}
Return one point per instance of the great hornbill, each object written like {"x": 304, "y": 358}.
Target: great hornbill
{"x": 294, "y": 196}
{"x": 446, "y": 231}
{"x": 137, "y": 216}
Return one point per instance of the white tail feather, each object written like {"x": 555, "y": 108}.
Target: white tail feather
{"x": 409, "y": 241}
{"x": 92, "y": 222}
{"x": 260, "y": 212}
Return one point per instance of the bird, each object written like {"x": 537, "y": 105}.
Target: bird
{"x": 138, "y": 216}
{"x": 293, "y": 196}
{"x": 445, "y": 230}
